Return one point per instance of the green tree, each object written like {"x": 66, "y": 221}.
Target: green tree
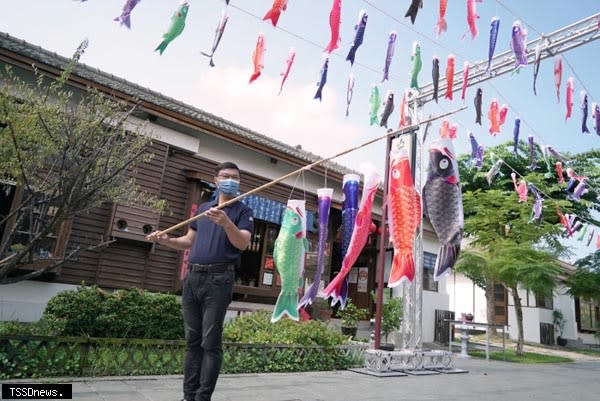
{"x": 69, "y": 151}
{"x": 508, "y": 245}
{"x": 522, "y": 265}
{"x": 585, "y": 282}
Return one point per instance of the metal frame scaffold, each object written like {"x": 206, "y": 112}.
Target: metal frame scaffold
{"x": 562, "y": 40}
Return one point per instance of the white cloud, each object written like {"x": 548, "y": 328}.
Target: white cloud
{"x": 293, "y": 117}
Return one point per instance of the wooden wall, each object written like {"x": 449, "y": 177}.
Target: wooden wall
{"x": 129, "y": 263}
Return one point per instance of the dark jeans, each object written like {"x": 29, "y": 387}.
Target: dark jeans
{"x": 205, "y": 299}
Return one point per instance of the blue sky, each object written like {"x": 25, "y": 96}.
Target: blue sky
{"x": 294, "y": 116}
{"x": 181, "y": 72}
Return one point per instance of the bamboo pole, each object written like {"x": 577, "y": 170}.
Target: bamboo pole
{"x": 307, "y": 167}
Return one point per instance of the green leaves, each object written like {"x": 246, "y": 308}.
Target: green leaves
{"x": 256, "y": 328}
{"x": 303, "y": 340}
{"x": 522, "y": 263}
{"x": 132, "y": 313}
{"x": 351, "y": 314}
{"x": 504, "y": 244}
{"x": 475, "y": 266}
{"x": 499, "y": 226}
{"x": 585, "y": 282}
{"x": 391, "y": 315}
{"x": 70, "y": 149}
{"x": 511, "y": 248}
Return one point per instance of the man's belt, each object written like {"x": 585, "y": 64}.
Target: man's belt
{"x": 211, "y": 268}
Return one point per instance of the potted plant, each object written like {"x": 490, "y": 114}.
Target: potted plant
{"x": 391, "y": 318}
{"x": 350, "y": 316}
{"x": 559, "y": 326}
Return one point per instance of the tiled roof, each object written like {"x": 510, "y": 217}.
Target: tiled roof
{"x": 97, "y": 76}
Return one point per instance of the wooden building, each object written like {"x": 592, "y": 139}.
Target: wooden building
{"x": 189, "y": 144}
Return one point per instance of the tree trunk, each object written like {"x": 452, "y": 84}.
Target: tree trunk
{"x": 490, "y": 305}
{"x": 519, "y": 314}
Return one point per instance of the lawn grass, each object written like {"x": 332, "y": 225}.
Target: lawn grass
{"x": 527, "y": 357}
{"x": 496, "y": 340}
{"x": 589, "y": 352}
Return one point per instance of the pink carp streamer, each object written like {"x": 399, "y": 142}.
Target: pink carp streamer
{"x": 361, "y": 229}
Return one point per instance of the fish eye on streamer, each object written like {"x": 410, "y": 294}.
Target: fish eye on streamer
{"x": 294, "y": 220}
{"x": 395, "y": 173}
{"x": 444, "y": 163}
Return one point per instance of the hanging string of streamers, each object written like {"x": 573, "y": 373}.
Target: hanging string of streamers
{"x": 536, "y": 136}
{"x": 569, "y": 229}
{"x": 302, "y": 38}
{"x": 178, "y": 22}
{"x": 541, "y": 34}
{"x": 573, "y": 71}
{"x": 273, "y": 14}
{"x": 499, "y": 93}
{"x": 389, "y": 133}
{"x": 539, "y": 138}
{"x": 518, "y": 174}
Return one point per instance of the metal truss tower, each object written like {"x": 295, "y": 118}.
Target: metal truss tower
{"x": 564, "y": 39}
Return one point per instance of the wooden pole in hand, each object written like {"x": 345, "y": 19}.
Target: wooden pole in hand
{"x": 309, "y": 166}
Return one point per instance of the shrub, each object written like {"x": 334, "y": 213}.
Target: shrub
{"x": 351, "y": 314}
{"x": 392, "y": 312}
{"x": 33, "y": 358}
{"x": 132, "y": 313}
{"x": 252, "y": 344}
{"x": 391, "y": 316}
{"x": 256, "y": 328}
{"x": 13, "y": 327}
{"x": 75, "y": 313}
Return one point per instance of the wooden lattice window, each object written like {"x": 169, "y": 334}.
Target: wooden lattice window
{"x": 24, "y": 215}
{"x": 544, "y": 301}
{"x": 589, "y": 315}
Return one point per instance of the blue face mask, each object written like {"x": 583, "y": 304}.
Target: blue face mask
{"x": 229, "y": 187}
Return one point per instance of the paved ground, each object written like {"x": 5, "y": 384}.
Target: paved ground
{"x": 501, "y": 381}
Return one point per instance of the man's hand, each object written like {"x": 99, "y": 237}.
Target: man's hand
{"x": 218, "y": 217}
{"x": 155, "y": 236}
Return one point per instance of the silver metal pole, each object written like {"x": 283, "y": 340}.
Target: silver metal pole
{"x": 418, "y": 248}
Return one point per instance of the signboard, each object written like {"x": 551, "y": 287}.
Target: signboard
{"x": 363, "y": 279}
{"x": 353, "y": 276}
{"x": 268, "y": 278}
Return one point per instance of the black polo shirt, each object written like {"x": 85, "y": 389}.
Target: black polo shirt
{"x": 211, "y": 244}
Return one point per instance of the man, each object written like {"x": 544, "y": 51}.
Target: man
{"x": 216, "y": 242}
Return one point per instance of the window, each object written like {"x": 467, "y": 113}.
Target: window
{"x": 544, "y": 301}
{"x": 429, "y": 284}
{"x": 500, "y": 304}
{"x": 7, "y": 194}
{"x": 589, "y": 315}
{"x": 35, "y": 211}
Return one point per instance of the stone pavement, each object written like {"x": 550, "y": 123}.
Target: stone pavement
{"x": 493, "y": 381}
